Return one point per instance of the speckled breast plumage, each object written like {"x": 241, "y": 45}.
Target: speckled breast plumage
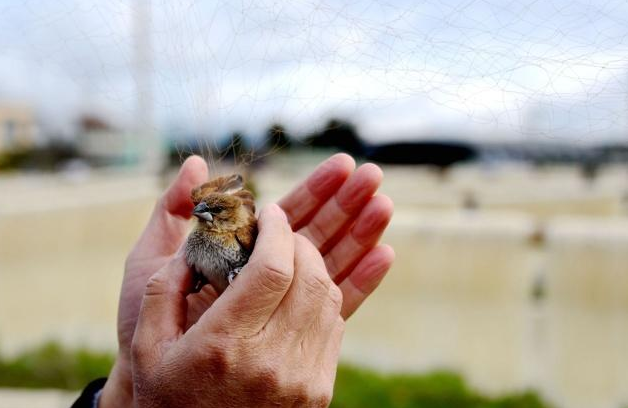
{"x": 214, "y": 257}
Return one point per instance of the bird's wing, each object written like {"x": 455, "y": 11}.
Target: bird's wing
{"x": 246, "y": 237}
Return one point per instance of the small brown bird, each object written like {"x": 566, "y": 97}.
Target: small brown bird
{"x": 224, "y": 236}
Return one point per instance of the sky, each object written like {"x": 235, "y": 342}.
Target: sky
{"x": 492, "y": 70}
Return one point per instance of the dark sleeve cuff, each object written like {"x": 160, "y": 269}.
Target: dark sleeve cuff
{"x": 86, "y": 399}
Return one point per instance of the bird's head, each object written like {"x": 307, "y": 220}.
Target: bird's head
{"x": 223, "y": 204}
{"x": 219, "y": 211}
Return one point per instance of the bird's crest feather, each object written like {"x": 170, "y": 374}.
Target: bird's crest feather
{"x": 231, "y": 185}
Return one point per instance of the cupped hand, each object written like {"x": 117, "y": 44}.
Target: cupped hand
{"x": 337, "y": 210}
{"x": 164, "y": 234}
{"x": 335, "y": 207}
{"x": 271, "y": 340}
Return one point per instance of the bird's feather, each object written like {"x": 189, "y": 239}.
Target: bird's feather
{"x": 246, "y": 237}
{"x": 220, "y": 244}
{"x": 226, "y": 184}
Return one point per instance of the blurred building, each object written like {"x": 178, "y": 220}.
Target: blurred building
{"x": 17, "y": 126}
{"x": 103, "y": 144}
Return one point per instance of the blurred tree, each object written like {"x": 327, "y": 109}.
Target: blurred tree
{"x": 50, "y": 157}
{"x": 237, "y": 148}
{"x": 440, "y": 154}
{"x": 338, "y": 134}
{"x": 277, "y": 138}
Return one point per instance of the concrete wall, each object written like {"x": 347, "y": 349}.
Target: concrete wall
{"x": 459, "y": 294}
{"x": 587, "y": 310}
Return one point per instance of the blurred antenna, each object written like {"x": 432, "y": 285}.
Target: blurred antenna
{"x": 148, "y": 142}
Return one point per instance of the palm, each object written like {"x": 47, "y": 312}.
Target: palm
{"x": 137, "y": 273}
{"x": 164, "y": 234}
{"x": 334, "y": 208}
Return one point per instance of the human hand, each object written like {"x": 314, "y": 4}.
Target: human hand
{"x": 271, "y": 339}
{"x": 165, "y": 233}
{"x": 335, "y": 201}
{"x": 335, "y": 207}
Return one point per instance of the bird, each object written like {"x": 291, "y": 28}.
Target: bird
{"x": 224, "y": 235}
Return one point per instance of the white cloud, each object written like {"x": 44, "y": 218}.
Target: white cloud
{"x": 403, "y": 69}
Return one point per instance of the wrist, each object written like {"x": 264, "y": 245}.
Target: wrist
{"x": 118, "y": 390}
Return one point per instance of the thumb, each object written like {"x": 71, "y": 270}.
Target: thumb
{"x": 163, "y": 313}
{"x": 247, "y": 305}
{"x": 168, "y": 224}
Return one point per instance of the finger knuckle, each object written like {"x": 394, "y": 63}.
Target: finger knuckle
{"x": 340, "y": 325}
{"x": 299, "y": 394}
{"x": 138, "y": 351}
{"x": 215, "y": 362}
{"x": 316, "y": 395}
{"x": 218, "y": 361}
{"x": 155, "y": 285}
{"x": 275, "y": 278}
{"x": 316, "y": 285}
{"x": 262, "y": 384}
{"x": 323, "y": 399}
{"x": 335, "y": 297}
{"x": 268, "y": 377}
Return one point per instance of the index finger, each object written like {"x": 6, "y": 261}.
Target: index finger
{"x": 306, "y": 199}
{"x": 249, "y": 302}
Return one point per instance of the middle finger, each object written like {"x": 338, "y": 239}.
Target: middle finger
{"x": 343, "y": 207}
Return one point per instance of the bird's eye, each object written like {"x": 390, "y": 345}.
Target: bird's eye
{"x": 217, "y": 209}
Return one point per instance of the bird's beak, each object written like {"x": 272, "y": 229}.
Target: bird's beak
{"x": 202, "y": 212}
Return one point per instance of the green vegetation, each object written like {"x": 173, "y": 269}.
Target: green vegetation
{"x": 45, "y": 158}
{"x": 358, "y": 388}
{"x": 52, "y": 366}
